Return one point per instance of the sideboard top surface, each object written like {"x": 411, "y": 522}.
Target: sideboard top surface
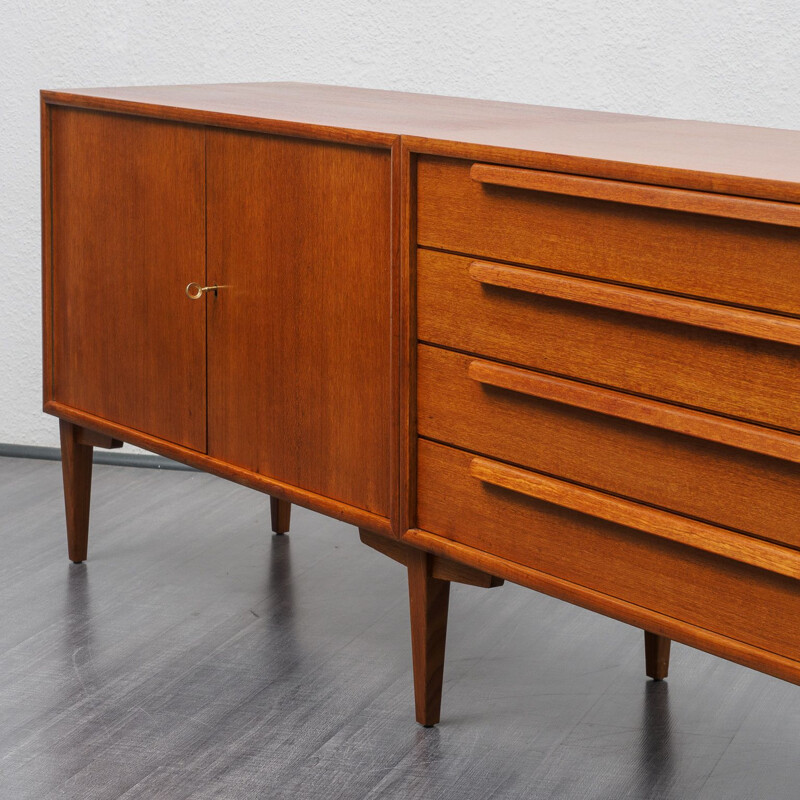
{"x": 735, "y": 159}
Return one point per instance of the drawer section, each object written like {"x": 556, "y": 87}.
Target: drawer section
{"x": 737, "y": 375}
{"x": 704, "y": 479}
{"x": 737, "y": 600}
{"x": 733, "y": 260}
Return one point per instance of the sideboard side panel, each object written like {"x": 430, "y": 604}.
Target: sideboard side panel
{"x": 47, "y": 238}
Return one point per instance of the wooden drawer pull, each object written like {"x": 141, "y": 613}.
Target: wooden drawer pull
{"x": 697, "y": 313}
{"x": 639, "y": 194}
{"x": 643, "y": 518}
{"x": 729, "y": 432}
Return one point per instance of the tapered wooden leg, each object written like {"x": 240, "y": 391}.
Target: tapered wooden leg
{"x": 656, "y": 655}
{"x": 76, "y": 466}
{"x": 429, "y": 578}
{"x": 281, "y": 511}
{"x": 429, "y": 599}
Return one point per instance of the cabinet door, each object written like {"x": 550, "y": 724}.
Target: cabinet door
{"x": 128, "y": 236}
{"x": 299, "y": 335}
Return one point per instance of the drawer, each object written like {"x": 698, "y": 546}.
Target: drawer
{"x": 746, "y": 603}
{"x": 737, "y": 375}
{"x": 733, "y": 260}
{"x": 465, "y": 401}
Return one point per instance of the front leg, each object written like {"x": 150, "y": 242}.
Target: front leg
{"x": 429, "y": 600}
{"x": 429, "y": 578}
{"x": 281, "y": 512}
{"x": 76, "y": 468}
{"x": 656, "y": 654}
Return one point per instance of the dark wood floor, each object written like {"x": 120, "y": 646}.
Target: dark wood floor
{"x": 197, "y": 656}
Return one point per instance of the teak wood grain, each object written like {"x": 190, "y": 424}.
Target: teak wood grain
{"x": 406, "y": 373}
{"x": 428, "y": 603}
{"x": 96, "y": 439}
{"x": 280, "y": 514}
{"x": 214, "y": 466}
{"x": 601, "y": 310}
{"x": 299, "y": 337}
{"x": 746, "y": 263}
{"x": 648, "y": 619}
{"x": 698, "y": 313}
{"x": 715, "y": 205}
{"x": 656, "y": 655}
{"x": 429, "y": 578}
{"x": 725, "y": 373}
{"x": 442, "y": 568}
{"x": 733, "y": 599}
{"x": 712, "y": 428}
{"x": 76, "y": 467}
{"x": 128, "y": 210}
{"x": 46, "y": 184}
{"x": 720, "y": 484}
{"x": 653, "y": 521}
{"x": 734, "y": 159}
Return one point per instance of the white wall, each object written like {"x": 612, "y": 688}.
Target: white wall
{"x": 721, "y": 60}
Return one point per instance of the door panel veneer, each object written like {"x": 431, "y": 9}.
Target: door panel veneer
{"x": 299, "y": 334}
{"x": 128, "y": 217}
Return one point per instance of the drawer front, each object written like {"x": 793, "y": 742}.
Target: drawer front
{"x": 751, "y": 605}
{"x": 732, "y": 374}
{"x": 704, "y": 479}
{"x": 737, "y": 261}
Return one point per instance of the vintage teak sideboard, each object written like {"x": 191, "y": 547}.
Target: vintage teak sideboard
{"x": 507, "y": 342}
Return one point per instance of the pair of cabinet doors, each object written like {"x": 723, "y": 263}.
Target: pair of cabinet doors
{"x": 285, "y": 369}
